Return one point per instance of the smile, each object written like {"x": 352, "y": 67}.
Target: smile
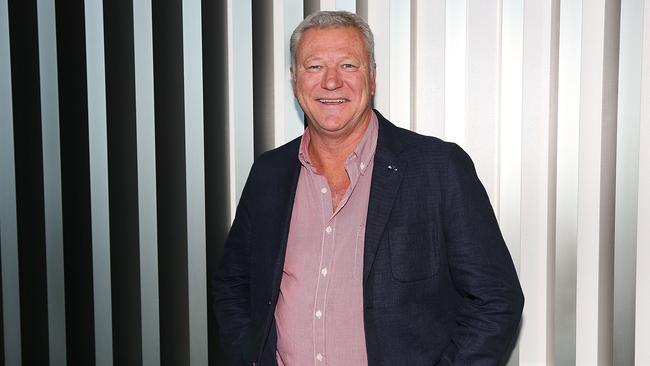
{"x": 332, "y": 101}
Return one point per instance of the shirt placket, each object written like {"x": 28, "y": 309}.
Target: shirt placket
{"x": 324, "y": 275}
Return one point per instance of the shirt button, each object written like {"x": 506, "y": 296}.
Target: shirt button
{"x": 323, "y": 190}
{"x": 362, "y": 166}
{"x": 319, "y": 357}
{"x": 328, "y": 229}
{"x": 323, "y": 272}
{"x": 319, "y": 314}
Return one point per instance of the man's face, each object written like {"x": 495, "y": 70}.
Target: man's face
{"x": 333, "y": 80}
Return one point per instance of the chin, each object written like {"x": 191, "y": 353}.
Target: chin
{"x": 333, "y": 125}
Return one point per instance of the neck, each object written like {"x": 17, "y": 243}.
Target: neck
{"x": 329, "y": 151}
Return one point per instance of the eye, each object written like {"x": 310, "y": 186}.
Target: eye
{"x": 313, "y": 67}
{"x": 349, "y": 67}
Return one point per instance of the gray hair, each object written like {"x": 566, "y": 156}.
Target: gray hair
{"x": 333, "y": 19}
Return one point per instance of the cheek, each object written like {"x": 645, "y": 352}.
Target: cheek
{"x": 304, "y": 88}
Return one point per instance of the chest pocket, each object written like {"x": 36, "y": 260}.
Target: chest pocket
{"x": 413, "y": 252}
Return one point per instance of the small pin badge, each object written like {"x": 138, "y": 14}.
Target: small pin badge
{"x": 392, "y": 167}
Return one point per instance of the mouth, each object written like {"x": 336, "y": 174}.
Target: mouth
{"x": 332, "y": 101}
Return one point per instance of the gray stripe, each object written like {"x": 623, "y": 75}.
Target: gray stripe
{"x": 242, "y": 79}
{"x": 567, "y": 182}
{"x": 99, "y": 181}
{"x": 52, "y": 181}
{"x": 8, "y": 223}
{"x": 146, "y": 146}
{"x": 627, "y": 179}
{"x": 195, "y": 181}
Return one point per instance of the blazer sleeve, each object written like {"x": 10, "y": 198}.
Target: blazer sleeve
{"x": 481, "y": 269}
{"x": 231, "y": 285}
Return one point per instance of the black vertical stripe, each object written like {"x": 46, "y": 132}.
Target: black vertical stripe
{"x": 310, "y": 6}
{"x": 123, "y": 182}
{"x": 215, "y": 84}
{"x": 263, "y": 87}
{"x": 75, "y": 179}
{"x": 170, "y": 170}
{"x": 23, "y": 31}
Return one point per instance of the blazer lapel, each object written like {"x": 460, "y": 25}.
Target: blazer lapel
{"x": 387, "y": 176}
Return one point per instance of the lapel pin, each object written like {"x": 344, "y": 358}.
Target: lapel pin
{"x": 392, "y": 167}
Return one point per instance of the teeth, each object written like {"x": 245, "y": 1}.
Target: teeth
{"x": 331, "y": 100}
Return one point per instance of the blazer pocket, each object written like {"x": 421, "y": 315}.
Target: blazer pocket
{"x": 413, "y": 252}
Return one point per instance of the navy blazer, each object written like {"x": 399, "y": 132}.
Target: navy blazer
{"x": 439, "y": 286}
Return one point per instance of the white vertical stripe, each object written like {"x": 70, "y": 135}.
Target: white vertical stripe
{"x": 567, "y": 181}
{"x": 428, "y": 74}
{"x": 596, "y": 169}
{"x": 483, "y": 91}
{"x": 455, "y": 43}
{"x": 538, "y": 180}
{"x": 288, "y": 117}
{"x": 327, "y": 4}
{"x": 52, "y": 181}
{"x": 510, "y": 133}
{"x": 379, "y": 21}
{"x": 279, "y": 72}
{"x": 195, "y": 181}
{"x": 294, "y": 120}
{"x": 510, "y": 127}
{"x": 240, "y": 96}
{"x": 347, "y": 5}
{"x": 317, "y": 5}
{"x": 146, "y": 156}
{"x": 98, "y": 158}
{"x": 642, "y": 335}
{"x": 400, "y": 63}
{"x": 8, "y": 220}
{"x": 627, "y": 179}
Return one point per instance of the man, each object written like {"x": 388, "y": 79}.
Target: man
{"x": 361, "y": 243}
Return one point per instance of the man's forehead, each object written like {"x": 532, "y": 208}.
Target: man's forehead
{"x": 323, "y": 36}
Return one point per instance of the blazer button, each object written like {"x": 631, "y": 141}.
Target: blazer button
{"x": 269, "y": 301}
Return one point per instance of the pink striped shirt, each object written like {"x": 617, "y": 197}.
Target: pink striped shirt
{"x": 319, "y": 314}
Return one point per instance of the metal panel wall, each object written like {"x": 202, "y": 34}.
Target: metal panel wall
{"x": 596, "y": 182}
{"x": 627, "y": 179}
{"x": 455, "y": 70}
{"x": 146, "y": 176}
{"x": 195, "y": 182}
{"x": 509, "y": 193}
{"x": 483, "y": 91}
{"x": 642, "y": 315}
{"x": 428, "y": 67}
{"x": 52, "y": 180}
{"x": 8, "y": 222}
{"x": 145, "y": 137}
{"x": 567, "y": 181}
{"x": 99, "y": 210}
{"x": 538, "y": 179}
{"x": 240, "y": 92}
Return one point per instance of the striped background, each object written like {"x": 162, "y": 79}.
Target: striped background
{"x": 127, "y": 128}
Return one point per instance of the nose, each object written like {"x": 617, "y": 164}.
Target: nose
{"x": 331, "y": 79}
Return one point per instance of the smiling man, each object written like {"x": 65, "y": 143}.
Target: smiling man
{"x": 361, "y": 243}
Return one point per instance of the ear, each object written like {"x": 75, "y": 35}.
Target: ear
{"x": 294, "y": 79}
{"x": 373, "y": 80}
